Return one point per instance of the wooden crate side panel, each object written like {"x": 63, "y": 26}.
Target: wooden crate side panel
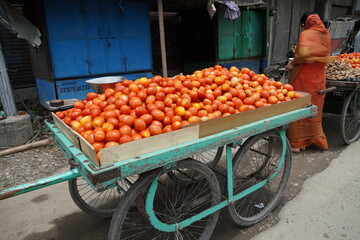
{"x": 148, "y": 145}
{"x": 228, "y": 122}
{"x": 65, "y": 129}
{"x": 76, "y": 139}
{"x": 88, "y": 150}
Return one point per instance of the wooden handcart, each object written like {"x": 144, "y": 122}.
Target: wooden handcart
{"x": 345, "y": 100}
{"x": 173, "y": 192}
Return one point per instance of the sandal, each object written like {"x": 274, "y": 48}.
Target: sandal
{"x": 295, "y": 150}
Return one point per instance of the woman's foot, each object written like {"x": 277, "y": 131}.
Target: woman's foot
{"x": 295, "y": 150}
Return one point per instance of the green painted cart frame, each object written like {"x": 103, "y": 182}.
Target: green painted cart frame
{"x": 165, "y": 160}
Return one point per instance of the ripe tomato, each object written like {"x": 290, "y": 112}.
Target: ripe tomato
{"x": 107, "y": 127}
{"x": 79, "y": 105}
{"x": 125, "y": 139}
{"x": 91, "y": 96}
{"x": 272, "y": 100}
{"x": 134, "y": 102}
{"x": 99, "y": 135}
{"x": 151, "y": 90}
{"x": 136, "y": 136}
{"x": 88, "y": 126}
{"x": 155, "y": 129}
{"x": 113, "y": 121}
{"x": 160, "y": 105}
{"x": 112, "y": 136}
{"x": 98, "y": 145}
{"x": 223, "y": 108}
{"x": 133, "y": 87}
{"x": 158, "y": 115}
{"x": 156, "y": 122}
{"x": 176, "y": 125}
{"x": 288, "y": 87}
{"x": 125, "y": 109}
{"x": 127, "y": 120}
{"x": 75, "y": 113}
{"x": 147, "y": 118}
{"x": 139, "y": 111}
{"x": 98, "y": 122}
{"x": 180, "y": 111}
{"x": 125, "y": 130}
{"x": 248, "y": 101}
{"x": 111, "y": 144}
{"x": 167, "y": 129}
{"x": 194, "y": 119}
{"x": 145, "y": 133}
{"x": 110, "y": 114}
{"x": 290, "y": 94}
{"x": 259, "y": 104}
{"x": 85, "y": 119}
{"x": 75, "y": 124}
{"x": 244, "y": 108}
{"x": 139, "y": 124}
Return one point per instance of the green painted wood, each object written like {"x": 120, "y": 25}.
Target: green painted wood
{"x": 245, "y": 37}
{"x": 229, "y": 172}
{"x": 24, "y": 188}
{"x": 227, "y": 31}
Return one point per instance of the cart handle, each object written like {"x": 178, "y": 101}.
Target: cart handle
{"x": 327, "y": 90}
{"x": 10, "y": 192}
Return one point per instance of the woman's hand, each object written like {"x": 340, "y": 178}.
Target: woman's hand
{"x": 290, "y": 66}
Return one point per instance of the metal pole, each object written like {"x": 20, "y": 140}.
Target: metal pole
{"x": 6, "y": 94}
{"x": 162, "y": 38}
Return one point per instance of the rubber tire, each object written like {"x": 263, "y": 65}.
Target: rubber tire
{"x": 216, "y": 159}
{"x": 140, "y": 189}
{"x": 210, "y": 164}
{"x": 343, "y": 128}
{"x": 251, "y": 220}
{"x": 84, "y": 206}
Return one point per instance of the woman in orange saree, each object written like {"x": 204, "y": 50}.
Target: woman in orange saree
{"x": 308, "y": 75}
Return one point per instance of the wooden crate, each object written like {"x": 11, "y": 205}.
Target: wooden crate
{"x": 185, "y": 134}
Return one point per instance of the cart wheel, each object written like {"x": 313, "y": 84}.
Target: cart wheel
{"x": 255, "y": 161}
{"x": 172, "y": 203}
{"x": 98, "y": 203}
{"x": 210, "y": 158}
{"x": 350, "y": 118}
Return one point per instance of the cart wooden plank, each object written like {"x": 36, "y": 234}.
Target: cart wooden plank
{"x": 148, "y": 145}
{"x": 235, "y": 120}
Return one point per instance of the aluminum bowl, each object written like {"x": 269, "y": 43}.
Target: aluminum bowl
{"x": 101, "y": 84}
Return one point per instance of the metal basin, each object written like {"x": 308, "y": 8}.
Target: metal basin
{"x": 101, "y": 84}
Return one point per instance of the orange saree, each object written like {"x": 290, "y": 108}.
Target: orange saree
{"x": 308, "y": 75}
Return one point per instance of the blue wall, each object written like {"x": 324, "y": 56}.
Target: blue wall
{"x": 92, "y": 37}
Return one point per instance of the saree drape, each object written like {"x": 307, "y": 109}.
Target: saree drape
{"x": 308, "y": 75}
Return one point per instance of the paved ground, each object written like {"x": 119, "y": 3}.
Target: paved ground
{"x": 50, "y": 213}
{"x": 327, "y": 207}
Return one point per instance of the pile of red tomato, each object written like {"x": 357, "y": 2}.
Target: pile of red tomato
{"x": 145, "y": 107}
{"x": 352, "y": 58}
